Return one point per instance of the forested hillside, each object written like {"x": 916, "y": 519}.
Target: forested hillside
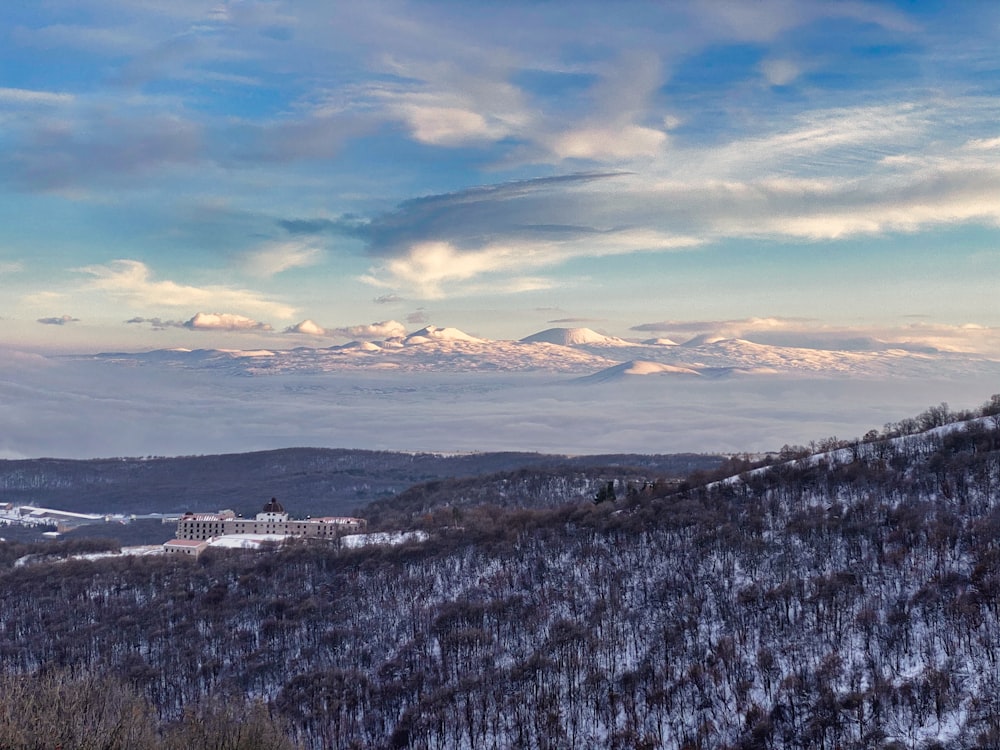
{"x": 310, "y": 481}
{"x": 843, "y": 599}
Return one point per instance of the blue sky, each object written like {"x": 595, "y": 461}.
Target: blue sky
{"x": 247, "y": 174}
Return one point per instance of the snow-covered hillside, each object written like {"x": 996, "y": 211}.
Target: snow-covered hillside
{"x": 837, "y": 600}
{"x": 574, "y": 337}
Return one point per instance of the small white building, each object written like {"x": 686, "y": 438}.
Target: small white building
{"x": 192, "y": 547}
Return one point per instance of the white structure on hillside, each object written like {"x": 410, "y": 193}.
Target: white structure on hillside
{"x": 193, "y": 547}
{"x": 272, "y": 520}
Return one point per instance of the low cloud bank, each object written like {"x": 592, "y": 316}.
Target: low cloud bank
{"x": 64, "y": 409}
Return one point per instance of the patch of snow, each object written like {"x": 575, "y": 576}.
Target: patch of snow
{"x": 245, "y": 541}
{"x": 388, "y": 538}
{"x": 363, "y": 346}
{"x": 704, "y": 338}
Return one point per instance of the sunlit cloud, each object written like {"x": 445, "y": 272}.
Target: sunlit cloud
{"x": 382, "y": 330}
{"x": 435, "y": 246}
{"x": 431, "y": 246}
{"x": 308, "y": 328}
{"x": 132, "y": 282}
{"x": 445, "y": 105}
{"x": 613, "y": 143}
{"x": 224, "y": 322}
{"x": 229, "y": 322}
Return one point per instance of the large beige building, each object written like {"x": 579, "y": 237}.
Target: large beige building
{"x": 271, "y": 520}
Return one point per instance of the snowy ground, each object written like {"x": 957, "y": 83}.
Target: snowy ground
{"x": 355, "y": 541}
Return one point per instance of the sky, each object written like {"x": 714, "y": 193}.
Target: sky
{"x": 277, "y": 174}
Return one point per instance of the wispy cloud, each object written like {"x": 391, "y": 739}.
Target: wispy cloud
{"x": 673, "y": 127}
{"x": 433, "y": 247}
{"x": 274, "y": 258}
{"x": 157, "y": 324}
{"x": 32, "y": 96}
{"x": 100, "y": 149}
{"x": 437, "y": 245}
{"x": 131, "y": 281}
{"x": 780, "y": 72}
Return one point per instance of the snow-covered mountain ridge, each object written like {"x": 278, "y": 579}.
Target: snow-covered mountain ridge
{"x": 576, "y": 351}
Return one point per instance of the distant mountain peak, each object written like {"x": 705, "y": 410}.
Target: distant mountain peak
{"x": 433, "y": 333}
{"x": 705, "y": 338}
{"x": 573, "y": 337}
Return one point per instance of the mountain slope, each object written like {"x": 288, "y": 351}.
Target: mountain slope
{"x": 637, "y": 368}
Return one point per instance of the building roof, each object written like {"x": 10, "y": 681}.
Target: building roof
{"x": 186, "y": 543}
{"x": 336, "y": 519}
{"x": 273, "y": 507}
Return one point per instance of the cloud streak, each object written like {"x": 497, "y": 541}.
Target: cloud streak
{"x": 58, "y": 321}
{"x": 132, "y": 282}
{"x": 201, "y": 321}
{"x": 274, "y": 258}
{"x": 433, "y": 246}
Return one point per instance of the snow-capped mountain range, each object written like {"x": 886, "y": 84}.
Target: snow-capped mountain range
{"x": 587, "y": 354}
